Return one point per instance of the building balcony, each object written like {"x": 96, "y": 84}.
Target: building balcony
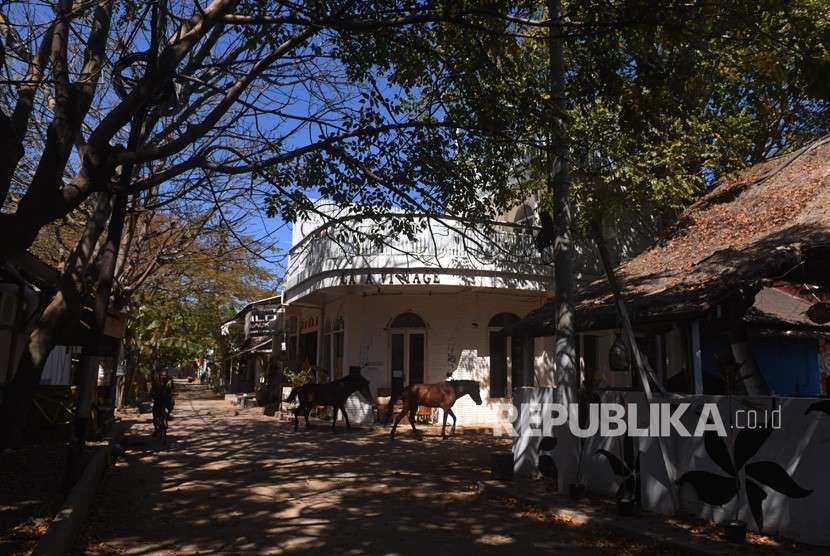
{"x": 444, "y": 252}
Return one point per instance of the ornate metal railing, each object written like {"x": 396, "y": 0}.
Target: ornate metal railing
{"x": 492, "y": 247}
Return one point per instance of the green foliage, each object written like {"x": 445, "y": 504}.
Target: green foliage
{"x": 297, "y": 377}
{"x": 661, "y": 108}
{"x": 662, "y": 99}
{"x": 178, "y": 316}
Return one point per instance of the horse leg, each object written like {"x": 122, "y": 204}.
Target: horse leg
{"x": 444, "y": 426}
{"x": 453, "y": 419}
{"x": 296, "y": 418}
{"x": 334, "y": 419}
{"x": 397, "y": 420}
{"x": 306, "y": 414}
{"x": 345, "y": 417}
{"x": 412, "y": 413}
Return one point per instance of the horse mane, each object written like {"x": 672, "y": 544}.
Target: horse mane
{"x": 463, "y": 381}
{"x": 352, "y": 378}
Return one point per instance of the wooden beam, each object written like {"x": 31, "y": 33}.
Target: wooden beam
{"x": 697, "y": 358}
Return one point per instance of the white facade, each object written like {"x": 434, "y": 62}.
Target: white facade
{"x": 420, "y": 309}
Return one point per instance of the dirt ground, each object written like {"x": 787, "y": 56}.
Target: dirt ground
{"x": 31, "y": 492}
{"x": 28, "y": 501}
{"x": 238, "y": 482}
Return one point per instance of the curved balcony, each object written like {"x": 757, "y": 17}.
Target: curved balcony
{"x": 444, "y": 252}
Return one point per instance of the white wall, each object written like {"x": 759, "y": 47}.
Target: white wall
{"x": 449, "y": 253}
{"x": 457, "y": 339}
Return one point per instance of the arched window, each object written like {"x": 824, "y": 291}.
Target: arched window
{"x": 510, "y": 356}
{"x": 408, "y": 320}
{"x": 407, "y": 351}
{"x": 503, "y": 319}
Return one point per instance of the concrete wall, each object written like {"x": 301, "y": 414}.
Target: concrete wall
{"x": 457, "y": 339}
{"x": 801, "y": 447}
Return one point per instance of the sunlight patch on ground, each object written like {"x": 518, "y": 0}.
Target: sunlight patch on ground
{"x": 495, "y": 539}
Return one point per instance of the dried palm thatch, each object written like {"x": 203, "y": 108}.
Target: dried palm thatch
{"x": 765, "y": 223}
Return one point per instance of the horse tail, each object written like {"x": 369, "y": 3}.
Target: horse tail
{"x": 293, "y": 394}
{"x": 392, "y": 401}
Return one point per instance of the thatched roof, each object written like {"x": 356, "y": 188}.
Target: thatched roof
{"x": 770, "y": 221}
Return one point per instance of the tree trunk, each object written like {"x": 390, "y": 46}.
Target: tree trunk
{"x": 107, "y": 259}
{"x": 559, "y": 184}
{"x": 63, "y": 310}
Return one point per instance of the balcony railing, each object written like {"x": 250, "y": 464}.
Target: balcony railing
{"x": 450, "y": 244}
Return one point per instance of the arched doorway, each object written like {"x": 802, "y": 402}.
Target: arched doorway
{"x": 407, "y": 351}
{"x": 510, "y": 356}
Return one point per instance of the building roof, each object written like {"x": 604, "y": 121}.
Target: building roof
{"x": 273, "y": 299}
{"x": 770, "y": 221}
{"x": 34, "y": 271}
{"x": 776, "y": 307}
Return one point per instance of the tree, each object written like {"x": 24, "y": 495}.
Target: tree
{"x": 661, "y": 108}
{"x": 386, "y": 107}
{"x": 178, "y": 316}
{"x": 649, "y": 105}
{"x": 304, "y": 99}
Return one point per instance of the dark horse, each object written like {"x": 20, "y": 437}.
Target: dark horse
{"x": 333, "y": 393}
{"x": 442, "y": 394}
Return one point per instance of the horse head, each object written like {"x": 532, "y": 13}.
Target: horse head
{"x": 471, "y": 387}
{"x": 361, "y": 386}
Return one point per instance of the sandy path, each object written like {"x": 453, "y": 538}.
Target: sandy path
{"x": 239, "y": 483}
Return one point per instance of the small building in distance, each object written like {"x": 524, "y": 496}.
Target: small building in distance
{"x": 251, "y": 335}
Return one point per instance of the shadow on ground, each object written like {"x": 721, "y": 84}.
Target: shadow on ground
{"x": 237, "y": 482}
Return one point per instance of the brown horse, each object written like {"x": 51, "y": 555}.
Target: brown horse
{"x": 442, "y": 394}
{"x": 334, "y": 394}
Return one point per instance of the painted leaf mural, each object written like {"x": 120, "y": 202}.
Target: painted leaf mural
{"x": 747, "y": 444}
{"x": 712, "y": 488}
{"x": 627, "y": 468}
{"x": 776, "y": 477}
{"x": 717, "y": 490}
{"x": 717, "y": 450}
{"x": 546, "y": 464}
{"x": 755, "y": 495}
{"x": 823, "y": 406}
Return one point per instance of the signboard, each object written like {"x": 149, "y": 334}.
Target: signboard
{"x": 389, "y": 278}
{"x": 263, "y": 320}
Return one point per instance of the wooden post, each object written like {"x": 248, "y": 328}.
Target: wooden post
{"x": 748, "y": 370}
{"x": 697, "y": 358}
{"x": 645, "y": 372}
{"x": 642, "y": 364}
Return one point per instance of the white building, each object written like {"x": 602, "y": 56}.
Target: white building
{"x": 422, "y": 309}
